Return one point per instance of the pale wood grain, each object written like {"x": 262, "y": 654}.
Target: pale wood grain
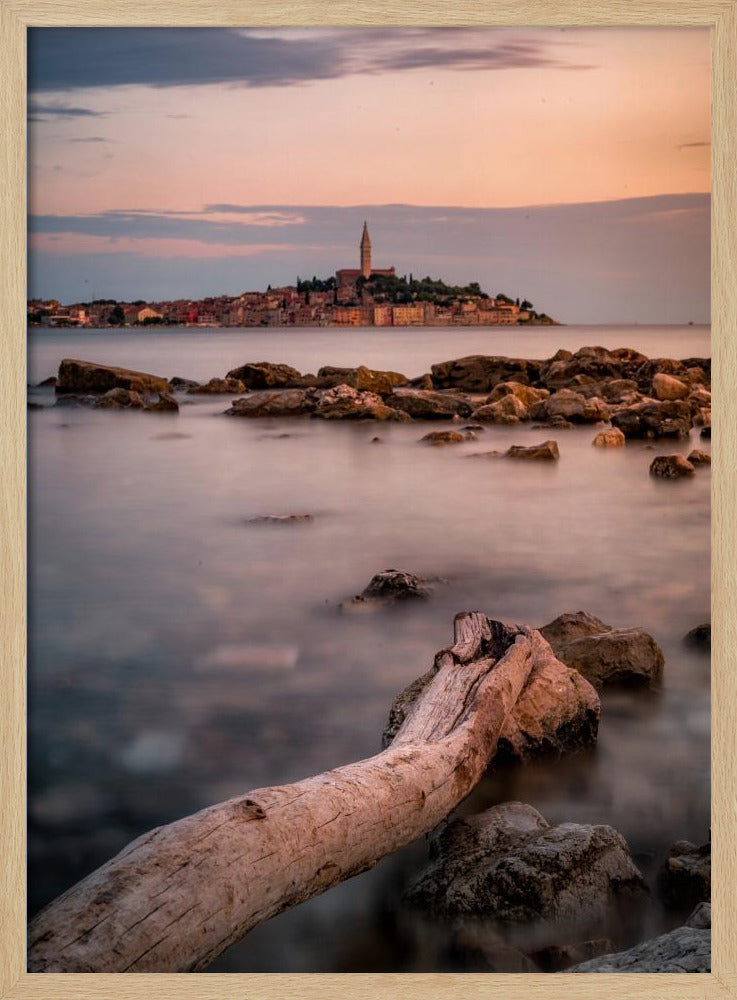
{"x": 14, "y": 16}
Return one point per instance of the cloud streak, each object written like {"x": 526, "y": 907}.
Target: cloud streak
{"x": 38, "y": 111}
{"x": 67, "y": 59}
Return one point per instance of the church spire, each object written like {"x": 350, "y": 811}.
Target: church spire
{"x": 365, "y": 252}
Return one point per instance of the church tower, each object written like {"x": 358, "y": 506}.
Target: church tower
{"x": 365, "y": 253}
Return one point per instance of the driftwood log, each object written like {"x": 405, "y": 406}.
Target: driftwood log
{"x": 178, "y": 896}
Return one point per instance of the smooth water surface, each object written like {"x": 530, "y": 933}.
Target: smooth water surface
{"x": 179, "y": 655}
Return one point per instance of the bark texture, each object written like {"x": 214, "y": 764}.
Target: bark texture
{"x": 177, "y": 897}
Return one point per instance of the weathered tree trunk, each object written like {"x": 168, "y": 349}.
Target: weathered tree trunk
{"x": 178, "y": 896}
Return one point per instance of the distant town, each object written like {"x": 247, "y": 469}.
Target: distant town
{"x": 363, "y": 296}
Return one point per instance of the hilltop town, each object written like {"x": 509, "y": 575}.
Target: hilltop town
{"x": 363, "y": 296}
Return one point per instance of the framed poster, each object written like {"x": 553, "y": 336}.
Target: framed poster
{"x": 431, "y": 266}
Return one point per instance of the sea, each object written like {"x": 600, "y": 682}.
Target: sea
{"x": 180, "y": 654}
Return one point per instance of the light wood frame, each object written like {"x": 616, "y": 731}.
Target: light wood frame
{"x": 15, "y": 17}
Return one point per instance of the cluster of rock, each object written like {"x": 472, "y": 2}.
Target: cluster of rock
{"x": 642, "y": 397}
{"x": 678, "y": 466}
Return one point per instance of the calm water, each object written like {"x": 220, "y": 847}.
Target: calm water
{"x": 179, "y": 656}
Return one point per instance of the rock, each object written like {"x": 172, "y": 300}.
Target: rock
{"x": 164, "y": 404}
{"x": 615, "y": 656}
{"x": 699, "y": 457}
{"x": 596, "y": 363}
{"x": 119, "y": 399}
{"x": 701, "y": 917}
{"x": 48, "y": 383}
{"x": 480, "y": 373}
{"x": 389, "y": 587}
{"x": 571, "y": 406}
{"x": 706, "y": 433}
{"x": 524, "y": 393}
{"x": 280, "y": 519}
{"x": 476, "y": 949}
{"x": 617, "y": 389}
{"x": 426, "y": 405}
{"x": 86, "y": 376}
{"x": 547, "y": 451}
{"x": 556, "y": 958}
{"x": 265, "y": 375}
{"x": 345, "y": 403}
{"x": 76, "y": 400}
{"x": 669, "y": 387}
{"x": 699, "y": 637}
{"x": 502, "y": 410}
{"x": 671, "y": 467}
{"x": 558, "y": 712}
{"x": 698, "y": 395}
{"x": 447, "y": 437}
{"x": 422, "y": 382}
{"x": 612, "y": 438}
{"x": 365, "y": 379}
{"x": 275, "y": 403}
{"x": 30, "y": 405}
{"x": 652, "y": 420}
{"x": 179, "y": 383}
{"x": 508, "y": 864}
{"x": 685, "y": 878}
{"x": 686, "y": 949}
{"x": 572, "y": 625}
{"x": 219, "y": 386}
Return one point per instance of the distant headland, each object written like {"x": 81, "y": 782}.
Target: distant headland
{"x": 363, "y": 296}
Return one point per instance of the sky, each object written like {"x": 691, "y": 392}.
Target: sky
{"x": 567, "y": 166}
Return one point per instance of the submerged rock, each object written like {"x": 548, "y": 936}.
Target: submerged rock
{"x": 265, "y": 375}
{"x": 686, "y": 949}
{"x": 164, "y": 404}
{"x": 275, "y": 403}
{"x": 119, "y": 399}
{"x": 546, "y": 452}
{"x": 178, "y": 383}
{"x": 86, "y": 376}
{"x": 389, "y": 587}
{"x": 699, "y": 637}
{"x": 685, "y": 878}
{"x": 509, "y": 864}
{"x": 699, "y": 457}
{"x": 280, "y": 519}
{"x": 671, "y": 467}
{"x": 421, "y": 404}
{"x": 218, "y": 386}
{"x": 612, "y": 438}
{"x": 447, "y": 437}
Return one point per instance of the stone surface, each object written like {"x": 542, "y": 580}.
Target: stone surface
{"x": 616, "y": 656}
{"x": 265, "y": 375}
{"x": 685, "y": 878}
{"x": 546, "y": 452}
{"x": 500, "y": 411}
{"x": 556, "y": 958}
{"x": 508, "y": 864}
{"x": 669, "y": 387}
{"x": 572, "y": 625}
{"x": 571, "y": 406}
{"x": 425, "y": 405}
{"x": 611, "y": 438}
{"x": 179, "y": 383}
{"x": 701, "y": 916}
{"x": 119, "y": 399}
{"x": 699, "y": 457}
{"x": 275, "y": 403}
{"x": 88, "y": 377}
{"x": 699, "y": 637}
{"x": 447, "y": 437}
{"x": 346, "y": 403}
{"x": 219, "y": 386}
{"x": 366, "y": 379}
{"x": 526, "y": 394}
{"x": 671, "y": 467}
{"x": 480, "y": 373}
{"x": 686, "y": 949}
{"x": 164, "y": 404}
{"x": 389, "y": 587}
{"x": 652, "y": 420}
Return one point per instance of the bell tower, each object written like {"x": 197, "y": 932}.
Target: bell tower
{"x": 365, "y": 253}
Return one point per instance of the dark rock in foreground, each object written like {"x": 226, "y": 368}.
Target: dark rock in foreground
{"x": 686, "y": 949}
{"x": 508, "y": 864}
{"x": 685, "y": 878}
{"x": 88, "y": 377}
{"x": 699, "y": 637}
